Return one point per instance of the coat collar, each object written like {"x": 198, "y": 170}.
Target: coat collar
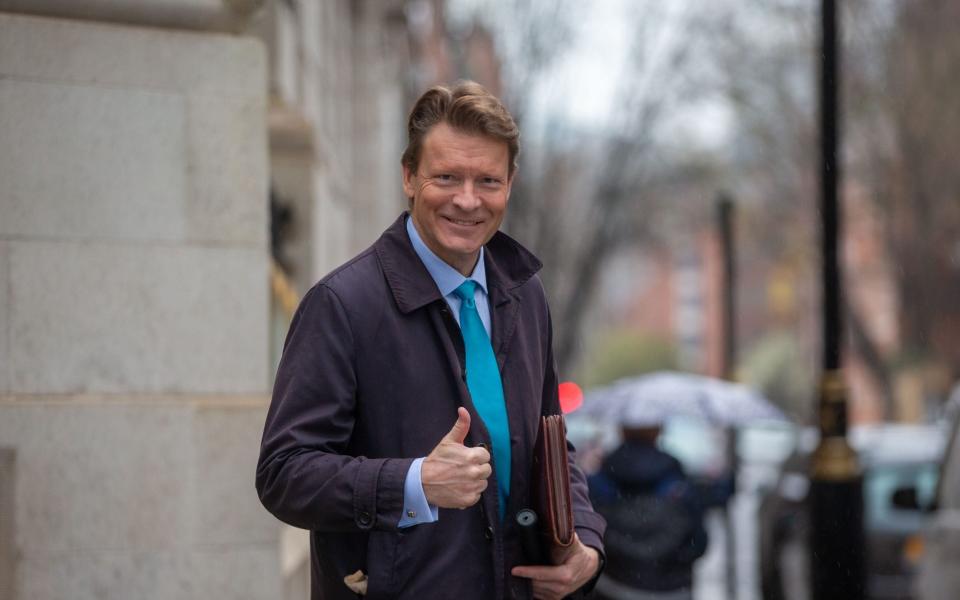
{"x": 509, "y": 265}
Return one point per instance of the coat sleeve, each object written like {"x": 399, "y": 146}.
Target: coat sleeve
{"x": 589, "y": 525}
{"x": 305, "y": 475}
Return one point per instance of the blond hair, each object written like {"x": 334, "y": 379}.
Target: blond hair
{"x": 467, "y": 107}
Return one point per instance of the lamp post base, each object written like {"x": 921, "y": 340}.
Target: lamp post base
{"x": 837, "y": 545}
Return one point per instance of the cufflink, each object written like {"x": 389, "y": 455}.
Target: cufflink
{"x": 412, "y": 514}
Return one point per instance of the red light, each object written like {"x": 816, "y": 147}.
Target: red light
{"x": 571, "y": 397}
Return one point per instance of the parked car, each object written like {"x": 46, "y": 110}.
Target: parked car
{"x": 939, "y": 578}
{"x": 900, "y": 470}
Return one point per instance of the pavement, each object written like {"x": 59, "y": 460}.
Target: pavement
{"x": 711, "y": 571}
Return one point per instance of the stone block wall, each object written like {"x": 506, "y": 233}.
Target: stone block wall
{"x": 134, "y": 310}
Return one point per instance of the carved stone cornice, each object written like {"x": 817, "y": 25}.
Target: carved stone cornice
{"x": 203, "y": 15}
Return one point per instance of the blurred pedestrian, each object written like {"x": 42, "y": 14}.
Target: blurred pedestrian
{"x": 393, "y": 409}
{"x": 655, "y": 529}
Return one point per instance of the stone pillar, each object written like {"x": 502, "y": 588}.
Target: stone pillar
{"x": 133, "y": 307}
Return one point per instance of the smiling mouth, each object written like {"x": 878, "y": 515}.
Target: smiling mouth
{"x": 463, "y": 222}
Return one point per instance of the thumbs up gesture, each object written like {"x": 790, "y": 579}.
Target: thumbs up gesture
{"x": 453, "y": 475}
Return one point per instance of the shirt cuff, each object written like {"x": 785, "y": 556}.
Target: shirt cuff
{"x": 416, "y": 509}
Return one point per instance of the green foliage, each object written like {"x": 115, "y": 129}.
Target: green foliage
{"x": 625, "y": 353}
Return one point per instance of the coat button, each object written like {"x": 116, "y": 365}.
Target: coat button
{"x": 365, "y": 519}
{"x": 488, "y": 532}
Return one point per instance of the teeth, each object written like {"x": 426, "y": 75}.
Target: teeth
{"x": 459, "y": 222}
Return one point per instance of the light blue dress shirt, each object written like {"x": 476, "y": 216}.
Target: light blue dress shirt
{"x": 416, "y": 509}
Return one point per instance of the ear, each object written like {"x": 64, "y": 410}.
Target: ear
{"x": 408, "y": 183}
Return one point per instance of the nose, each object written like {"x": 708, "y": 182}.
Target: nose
{"x": 467, "y": 198}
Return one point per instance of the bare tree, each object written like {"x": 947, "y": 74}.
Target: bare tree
{"x": 582, "y": 194}
{"x": 900, "y": 135}
{"x": 909, "y": 134}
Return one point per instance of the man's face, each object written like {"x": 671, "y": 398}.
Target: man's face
{"x": 459, "y": 193}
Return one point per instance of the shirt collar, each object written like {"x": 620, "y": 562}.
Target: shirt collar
{"x": 446, "y": 277}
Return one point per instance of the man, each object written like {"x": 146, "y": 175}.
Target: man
{"x": 654, "y": 518}
{"x": 408, "y": 397}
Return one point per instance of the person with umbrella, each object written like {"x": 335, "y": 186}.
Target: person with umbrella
{"x": 655, "y": 529}
{"x": 654, "y": 511}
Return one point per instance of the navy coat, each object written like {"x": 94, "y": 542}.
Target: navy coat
{"x": 371, "y": 377}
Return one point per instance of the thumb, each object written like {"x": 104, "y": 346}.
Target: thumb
{"x": 460, "y": 429}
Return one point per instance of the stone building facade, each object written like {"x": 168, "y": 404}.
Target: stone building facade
{"x": 140, "y": 144}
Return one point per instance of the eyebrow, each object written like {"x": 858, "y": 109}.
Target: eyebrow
{"x": 481, "y": 171}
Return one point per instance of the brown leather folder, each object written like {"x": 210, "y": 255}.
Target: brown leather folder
{"x": 551, "y": 483}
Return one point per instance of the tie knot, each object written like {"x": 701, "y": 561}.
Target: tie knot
{"x": 465, "y": 291}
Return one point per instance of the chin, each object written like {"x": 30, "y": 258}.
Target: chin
{"x": 467, "y": 249}
{"x": 459, "y": 245}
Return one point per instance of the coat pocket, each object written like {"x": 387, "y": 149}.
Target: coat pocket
{"x": 381, "y": 564}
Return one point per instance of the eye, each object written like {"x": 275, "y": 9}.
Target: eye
{"x": 446, "y": 179}
{"x": 490, "y": 182}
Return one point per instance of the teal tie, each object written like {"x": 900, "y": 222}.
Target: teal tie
{"x": 486, "y": 389}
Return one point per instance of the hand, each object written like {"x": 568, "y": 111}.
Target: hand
{"x": 575, "y": 566}
{"x": 454, "y": 476}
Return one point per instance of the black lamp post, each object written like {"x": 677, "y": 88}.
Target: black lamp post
{"x": 836, "y": 491}
{"x": 725, "y": 213}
